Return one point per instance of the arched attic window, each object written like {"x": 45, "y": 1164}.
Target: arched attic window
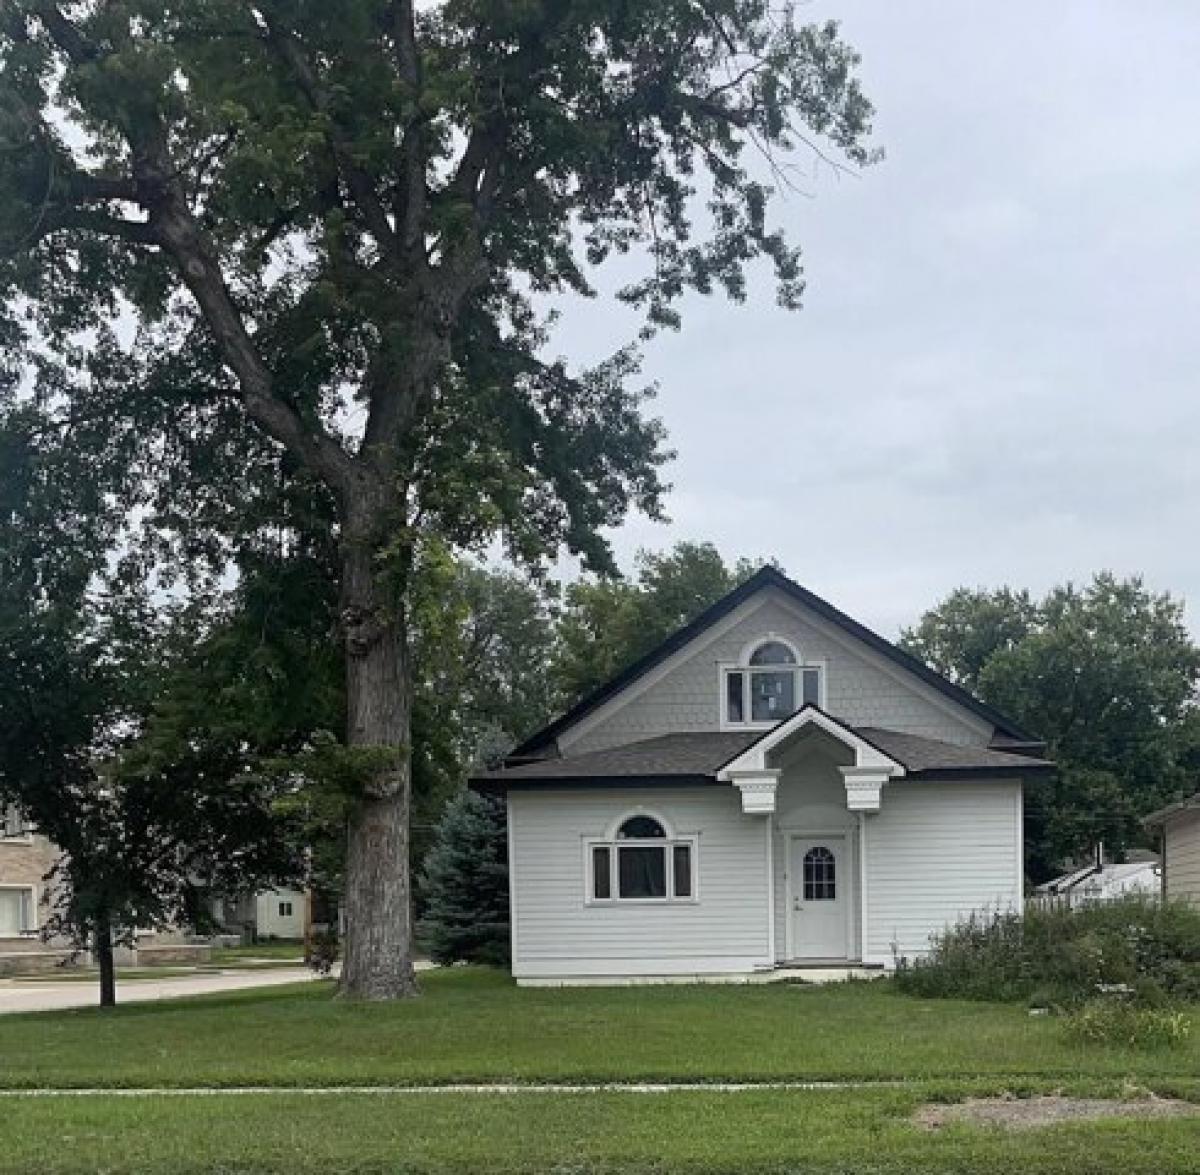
{"x": 772, "y": 684}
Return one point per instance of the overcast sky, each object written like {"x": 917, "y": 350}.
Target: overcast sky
{"x": 994, "y": 376}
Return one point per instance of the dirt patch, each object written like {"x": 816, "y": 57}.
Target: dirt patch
{"x": 1012, "y": 1113}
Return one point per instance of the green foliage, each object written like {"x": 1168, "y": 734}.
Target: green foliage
{"x": 608, "y": 623}
{"x": 1106, "y": 674}
{"x": 465, "y": 884}
{"x": 359, "y": 205}
{"x": 1060, "y": 956}
{"x": 1117, "y": 1023}
{"x": 335, "y": 229}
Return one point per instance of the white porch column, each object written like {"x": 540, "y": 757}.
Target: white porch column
{"x": 757, "y": 788}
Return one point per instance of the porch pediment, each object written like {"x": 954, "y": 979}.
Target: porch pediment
{"x": 752, "y": 772}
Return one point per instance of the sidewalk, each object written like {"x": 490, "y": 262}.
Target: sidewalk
{"x": 43, "y": 995}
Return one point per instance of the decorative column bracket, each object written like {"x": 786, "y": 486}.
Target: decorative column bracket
{"x": 864, "y": 787}
{"x": 758, "y": 790}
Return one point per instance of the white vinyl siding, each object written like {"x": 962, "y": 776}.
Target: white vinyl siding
{"x": 688, "y": 691}
{"x": 558, "y": 932}
{"x": 1183, "y": 856}
{"x": 935, "y": 852}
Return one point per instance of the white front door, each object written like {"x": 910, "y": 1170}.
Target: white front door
{"x": 818, "y": 874}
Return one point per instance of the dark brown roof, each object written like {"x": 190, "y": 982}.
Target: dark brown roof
{"x": 699, "y": 755}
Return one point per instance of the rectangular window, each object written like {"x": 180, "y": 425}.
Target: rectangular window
{"x": 765, "y": 696}
{"x": 15, "y": 914}
{"x": 601, "y": 873}
{"x": 682, "y": 870}
{"x": 772, "y": 695}
{"x": 733, "y": 697}
{"x": 285, "y": 909}
{"x": 642, "y": 871}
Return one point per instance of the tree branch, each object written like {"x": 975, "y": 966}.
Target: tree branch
{"x": 360, "y": 184}
{"x": 173, "y": 227}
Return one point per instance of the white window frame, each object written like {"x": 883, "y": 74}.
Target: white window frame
{"x": 743, "y": 666}
{"x": 31, "y": 930}
{"x": 614, "y": 843}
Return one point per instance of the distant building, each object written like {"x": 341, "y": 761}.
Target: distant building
{"x": 1104, "y": 881}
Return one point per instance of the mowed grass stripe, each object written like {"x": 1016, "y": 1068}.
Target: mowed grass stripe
{"x": 762, "y": 1131}
{"x": 473, "y": 1026}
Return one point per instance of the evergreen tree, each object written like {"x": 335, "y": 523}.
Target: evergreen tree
{"x": 465, "y": 884}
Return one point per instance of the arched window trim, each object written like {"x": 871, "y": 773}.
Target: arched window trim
{"x": 613, "y": 832}
{"x": 770, "y": 638}
{"x": 741, "y": 709}
{"x": 673, "y": 857}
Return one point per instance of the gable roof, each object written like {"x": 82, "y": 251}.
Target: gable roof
{"x": 1006, "y": 731}
{"x": 867, "y": 752}
{"x": 1164, "y": 815}
{"x": 698, "y": 756}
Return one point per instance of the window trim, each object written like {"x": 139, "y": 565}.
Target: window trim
{"x": 743, "y": 666}
{"x": 614, "y": 843}
{"x": 33, "y": 928}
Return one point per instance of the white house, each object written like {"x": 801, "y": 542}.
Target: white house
{"x": 1179, "y": 826}
{"x": 775, "y": 786}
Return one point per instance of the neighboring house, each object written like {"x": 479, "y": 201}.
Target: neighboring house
{"x": 774, "y": 786}
{"x": 275, "y": 913}
{"x": 25, "y": 859}
{"x": 1179, "y": 826}
{"x": 1105, "y": 881}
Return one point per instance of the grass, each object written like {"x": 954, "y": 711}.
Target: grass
{"x": 818, "y": 1133}
{"x": 290, "y": 949}
{"x": 474, "y": 1025}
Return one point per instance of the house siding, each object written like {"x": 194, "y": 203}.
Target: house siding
{"x": 1182, "y": 841}
{"x": 556, "y": 933}
{"x": 935, "y": 852}
{"x": 684, "y": 695}
{"x": 25, "y": 863}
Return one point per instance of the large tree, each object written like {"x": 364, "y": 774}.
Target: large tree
{"x": 331, "y": 222}
{"x": 1107, "y": 673}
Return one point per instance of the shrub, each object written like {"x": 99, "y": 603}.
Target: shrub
{"x": 1121, "y": 1023}
{"x": 1063, "y": 956}
{"x": 465, "y": 884}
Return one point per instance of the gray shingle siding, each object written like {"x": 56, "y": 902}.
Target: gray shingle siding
{"x": 859, "y": 691}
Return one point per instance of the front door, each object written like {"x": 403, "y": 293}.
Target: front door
{"x": 818, "y": 878}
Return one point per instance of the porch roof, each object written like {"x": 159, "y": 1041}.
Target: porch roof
{"x": 697, "y": 756}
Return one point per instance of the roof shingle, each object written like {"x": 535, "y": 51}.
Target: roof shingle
{"x": 701, "y": 754}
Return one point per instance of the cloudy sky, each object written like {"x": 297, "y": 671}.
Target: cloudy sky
{"x": 994, "y": 379}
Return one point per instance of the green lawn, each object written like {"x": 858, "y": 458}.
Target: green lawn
{"x": 284, "y": 949}
{"x": 474, "y": 1025}
{"x": 816, "y": 1133}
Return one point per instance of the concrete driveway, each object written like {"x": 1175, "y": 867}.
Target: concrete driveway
{"x": 18, "y": 995}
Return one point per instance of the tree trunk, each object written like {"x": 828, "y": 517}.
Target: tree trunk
{"x": 377, "y": 963}
{"x": 104, "y": 961}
